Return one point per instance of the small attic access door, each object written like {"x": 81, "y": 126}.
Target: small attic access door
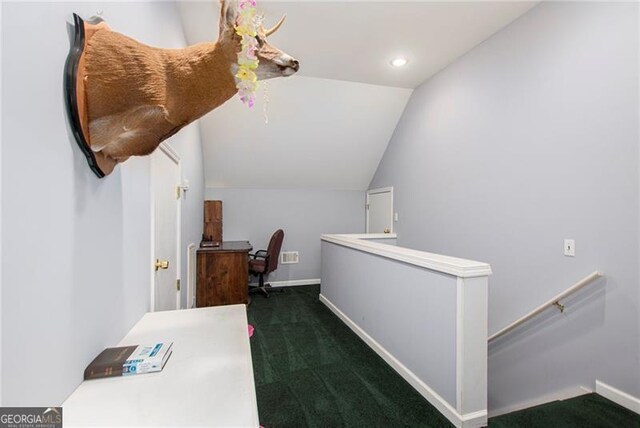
{"x": 379, "y": 210}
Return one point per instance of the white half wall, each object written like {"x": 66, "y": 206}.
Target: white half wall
{"x": 76, "y": 249}
{"x": 432, "y": 329}
{"x": 304, "y": 215}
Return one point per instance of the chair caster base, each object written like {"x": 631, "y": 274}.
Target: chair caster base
{"x": 266, "y": 290}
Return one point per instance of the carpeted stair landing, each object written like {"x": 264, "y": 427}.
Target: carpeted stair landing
{"x": 311, "y": 370}
{"x": 585, "y": 411}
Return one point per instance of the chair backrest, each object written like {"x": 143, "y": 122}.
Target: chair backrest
{"x": 273, "y": 251}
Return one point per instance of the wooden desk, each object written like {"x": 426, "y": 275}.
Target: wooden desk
{"x": 223, "y": 274}
{"x": 207, "y": 381}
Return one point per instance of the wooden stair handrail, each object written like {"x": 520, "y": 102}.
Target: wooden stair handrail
{"x": 555, "y": 301}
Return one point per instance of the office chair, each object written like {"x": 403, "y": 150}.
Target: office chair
{"x": 266, "y": 261}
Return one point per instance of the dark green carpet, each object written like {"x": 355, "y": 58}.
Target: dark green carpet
{"x": 586, "y": 411}
{"x": 311, "y": 370}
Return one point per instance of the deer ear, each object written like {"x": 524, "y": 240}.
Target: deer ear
{"x": 228, "y": 15}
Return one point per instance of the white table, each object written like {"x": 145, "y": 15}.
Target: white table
{"x": 208, "y": 380}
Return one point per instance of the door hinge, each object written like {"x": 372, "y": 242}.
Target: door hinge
{"x": 366, "y": 206}
{"x": 178, "y": 189}
{"x": 178, "y": 284}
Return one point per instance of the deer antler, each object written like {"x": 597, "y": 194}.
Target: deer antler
{"x": 275, "y": 27}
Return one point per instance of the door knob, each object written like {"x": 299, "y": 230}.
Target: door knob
{"x": 161, "y": 264}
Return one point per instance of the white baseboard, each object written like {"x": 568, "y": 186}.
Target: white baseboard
{"x": 619, "y": 397}
{"x": 564, "y": 394}
{"x": 291, "y": 283}
{"x": 470, "y": 420}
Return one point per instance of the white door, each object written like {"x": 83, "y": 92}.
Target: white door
{"x": 380, "y": 210}
{"x": 165, "y": 179}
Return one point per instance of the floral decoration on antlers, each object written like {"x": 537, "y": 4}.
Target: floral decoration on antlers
{"x": 247, "y": 27}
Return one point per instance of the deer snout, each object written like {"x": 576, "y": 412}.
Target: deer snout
{"x": 290, "y": 67}
{"x": 278, "y": 65}
{"x": 287, "y": 64}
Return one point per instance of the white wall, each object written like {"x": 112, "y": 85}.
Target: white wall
{"x": 76, "y": 257}
{"x": 304, "y": 215}
{"x": 530, "y": 138}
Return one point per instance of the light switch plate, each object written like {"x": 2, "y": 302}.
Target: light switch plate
{"x": 569, "y": 247}
{"x": 395, "y": 216}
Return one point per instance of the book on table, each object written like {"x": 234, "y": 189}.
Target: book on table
{"x": 129, "y": 360}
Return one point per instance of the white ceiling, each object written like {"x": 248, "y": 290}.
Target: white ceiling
{"x": 330, "y": 124}
{"x": 354, "y": 41}
{"x": 322, "y": 134}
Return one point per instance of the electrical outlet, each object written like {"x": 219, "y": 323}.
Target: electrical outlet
{"x": 569, "y": 247}
{"x": 395, "y": 216}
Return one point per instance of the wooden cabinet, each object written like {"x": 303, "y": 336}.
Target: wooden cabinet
{"x": 223, "y": 274}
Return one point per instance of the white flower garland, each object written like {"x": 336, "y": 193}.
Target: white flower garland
{"x": 247, "y": 26}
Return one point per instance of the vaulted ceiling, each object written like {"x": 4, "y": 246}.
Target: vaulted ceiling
{"x": 329, "y": 125}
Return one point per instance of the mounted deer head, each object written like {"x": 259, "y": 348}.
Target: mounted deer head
{"x": 124, "y": 98}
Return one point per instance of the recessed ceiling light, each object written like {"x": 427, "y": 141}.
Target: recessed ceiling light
{"x": 399, "y": 62}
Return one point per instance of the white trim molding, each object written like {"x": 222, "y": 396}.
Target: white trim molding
{"x": 292, "y": 282}
{"x": 561, "y": 395}
{"x": 191, "y": 275}
{"x": 468, "y": 420}
{"x": 619, "y": 397}
{"x": 450, "y": 265}
{"x": 370, "y": 235}
{"x": 169, "y": 151}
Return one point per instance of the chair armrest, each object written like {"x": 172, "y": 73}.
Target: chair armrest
{"x": 259, "y": 254}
